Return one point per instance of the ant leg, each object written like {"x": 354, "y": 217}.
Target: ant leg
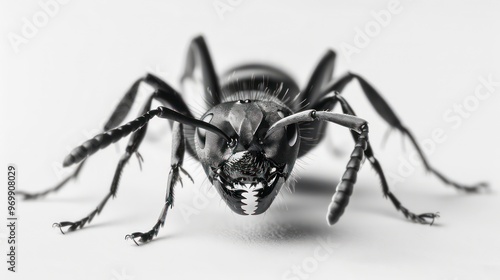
{"x": 168, "y": 96}
{"x": 138, "y": 129}
{"x": 116, "y": 118}
{"x": 178, "y": 150}
{"x": 62, "y": 183}
{"x": 133, "y": 145}
{"x": 343, "y": 191}
{"x": 425, "y": 218}
{"x": 385, "y": 111}
{"x": 311, "y": 133}
{"x": 199, "y": 57}
{"x": 322, "y": 74}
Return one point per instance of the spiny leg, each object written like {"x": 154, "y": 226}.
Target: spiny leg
{"x": 133, "y": 145}
{"x": 178, "y": 150}
{"x": 138, "y": 127}
{"x": 167, "y": 96}
{"x": 343, "y": 191}
{"x": 385, "y": 111}
{"x": 425, "y": 218}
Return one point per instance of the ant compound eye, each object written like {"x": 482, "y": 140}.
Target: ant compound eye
{"x": 202, "y": 133}
{"x": 292, "y": 134}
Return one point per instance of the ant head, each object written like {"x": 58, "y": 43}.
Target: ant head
{"x": 249, "y": 172}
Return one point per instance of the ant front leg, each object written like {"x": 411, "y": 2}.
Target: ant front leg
{"x": 132, "y": 147}
{"x": 178, "y": 151}
{"x": 344, "y": 189}
{"x": 425, "y": 218}
{"x": 167, "y": 95}
{"x": 138, "y": 128}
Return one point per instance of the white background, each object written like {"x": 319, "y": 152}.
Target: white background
{"x": 63, "y": 83}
